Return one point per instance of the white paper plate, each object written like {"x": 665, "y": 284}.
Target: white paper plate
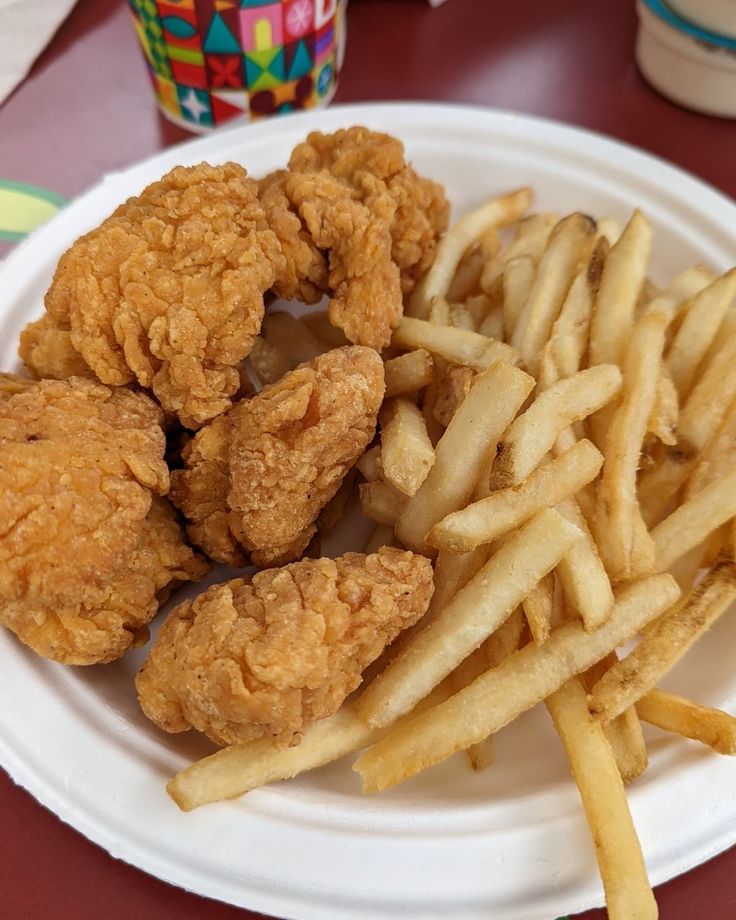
{"x": 506, "y": 843}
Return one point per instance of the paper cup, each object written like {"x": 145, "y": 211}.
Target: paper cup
{"x": 213, "y": 62}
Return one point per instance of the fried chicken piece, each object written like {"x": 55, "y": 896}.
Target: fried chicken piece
{"x": 267, "y": 656}
{"x": 258, "y": 477}
{"x": 168, "y": 291}
{"x": 349, "y": 210}
{"x": 86, "y": 544}
{"x": 422, "y": 211}
{"x": 48, "y": 351}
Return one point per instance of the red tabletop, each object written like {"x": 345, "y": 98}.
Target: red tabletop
{"x": 87, "y": 110}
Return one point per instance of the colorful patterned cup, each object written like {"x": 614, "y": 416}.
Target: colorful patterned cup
{"x": 213, "y": 61}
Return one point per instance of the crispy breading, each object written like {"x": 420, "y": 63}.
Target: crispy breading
{"x": 258, "y": 477}
{"x": 267, "y": 656}
{"x": 48, "y": 351}
{"x": 356, "y": 223}
{"x": 83, "y": 551}
{"x": 168, "y": 291}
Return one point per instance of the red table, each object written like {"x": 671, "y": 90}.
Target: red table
{"x": 87, "y": 110}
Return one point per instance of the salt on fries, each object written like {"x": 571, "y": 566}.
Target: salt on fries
{"x": 561, "y": 434}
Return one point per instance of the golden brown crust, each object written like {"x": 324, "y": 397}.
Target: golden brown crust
{"x": 266, "y": 657}
{"x": 83, "y": 553}
{"x": 257, "y": 478}
{"x": 351, "y": 212}
{"x": 168, "y": 291}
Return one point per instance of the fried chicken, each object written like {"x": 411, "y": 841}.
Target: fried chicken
{"x": 167, "y": 292}
{"x": 86, "y": 543}
{"x": 267, "y": 656}
{"x": 257, "y": 478}
{"x": 350, "y": 212}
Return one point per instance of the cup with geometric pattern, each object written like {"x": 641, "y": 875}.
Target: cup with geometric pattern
{"x": 212, "y": 62}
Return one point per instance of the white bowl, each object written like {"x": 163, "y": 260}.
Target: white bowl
{"x": 683, "y": 66}
{"x": 718, "y": 16}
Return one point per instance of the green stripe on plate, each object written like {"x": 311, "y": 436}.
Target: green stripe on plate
{"x": 24, "y": 207}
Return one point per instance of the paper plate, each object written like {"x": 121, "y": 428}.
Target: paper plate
{"x": 510, "y": 842}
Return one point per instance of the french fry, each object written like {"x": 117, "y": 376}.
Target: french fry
{"x": 719, "y": 456}
{"x": 582, "y": 575}
{"x": 467, "y": 275}
{"x": 408, "y": 373}
{"x": 498, "y": 212}
{"x": 712, "y": 727}
{"x": 492, "y": 323}
{"x": 530, "y": 240}
{"x": 503, "y": 693}
{"x": 699, "y": 420}
{"x": 517, "y": 281}
{"x": 473, "y": 614}
{"x": 381, "y": 535}
{"x": 240, "y": 768}
{"x": 663, "y": 646}
{"x": 381, "y": 502}
{"x": 609, "y": 228}
{"x": 452, "y": 571}
{"x": 698, "y": 328}
{"x": 534, "y": 433}
{"x": 479, "y": 306}
{"x": 507, "y": 509}
{"x": 497, "y": 648}
{"x": 470, "y": 438}
{"x": 555, "y": 272}
{"x": 617, "y": 848}
{"x": 692, "y": 522}
{"x": 369, "y": 464}
{"x": 452, "y": 386}
{"x": 662, "y": 421}
{"x": 407, "y": 453}
{"x": 624, "y": 733}
{"x": 460, "y": 346}
{"x": 321, "y": 328}
{"x": 566, "y": 349}
{"x": 538, "y": 608}
{"x": 624, "y": 543}
{"x": 461, "y": 317}
{"x": 621, "y": 281}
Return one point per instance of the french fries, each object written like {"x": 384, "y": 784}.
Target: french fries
{"x": 698, "y": 328}
{"x": 625, "y": 546}
{"x": 460, "y": 346}
{"x": 498, "y": 212}
{"x": 620, "y": 861}
{"x": 474, "y": 613}
{"x": 566, "y": 247}
{"x": 712, "y": 727}
{"x": 692, "y": 522}
{"x": 407, "y": 453}
{"x": 539, "y": 608}
{"x": 555, "y": 422}
{"x": 408, "y": 373}
{"x": 507, "y": 509}
{"x": 503, "y": 693}
{"x": 471, "y": 436}
{"x": 381, "y": 502}
{"x": 622, "y": 278}
{"x": 240, "y": 768}
{"x": 582, "y": 575}
{"x": 534, "y": 433}
{"x": 663, "y": 646}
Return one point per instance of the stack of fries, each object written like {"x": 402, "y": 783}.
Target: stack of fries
{"x": 560, "y": 436}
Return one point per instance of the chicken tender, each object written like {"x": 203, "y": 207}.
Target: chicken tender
{"x": 86, "y": 544}
{"x": 167, "y": 292}
{"x": 267, "y": 656}
{"x": 257, "y": 478}
{"x": 350, "y": 212}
